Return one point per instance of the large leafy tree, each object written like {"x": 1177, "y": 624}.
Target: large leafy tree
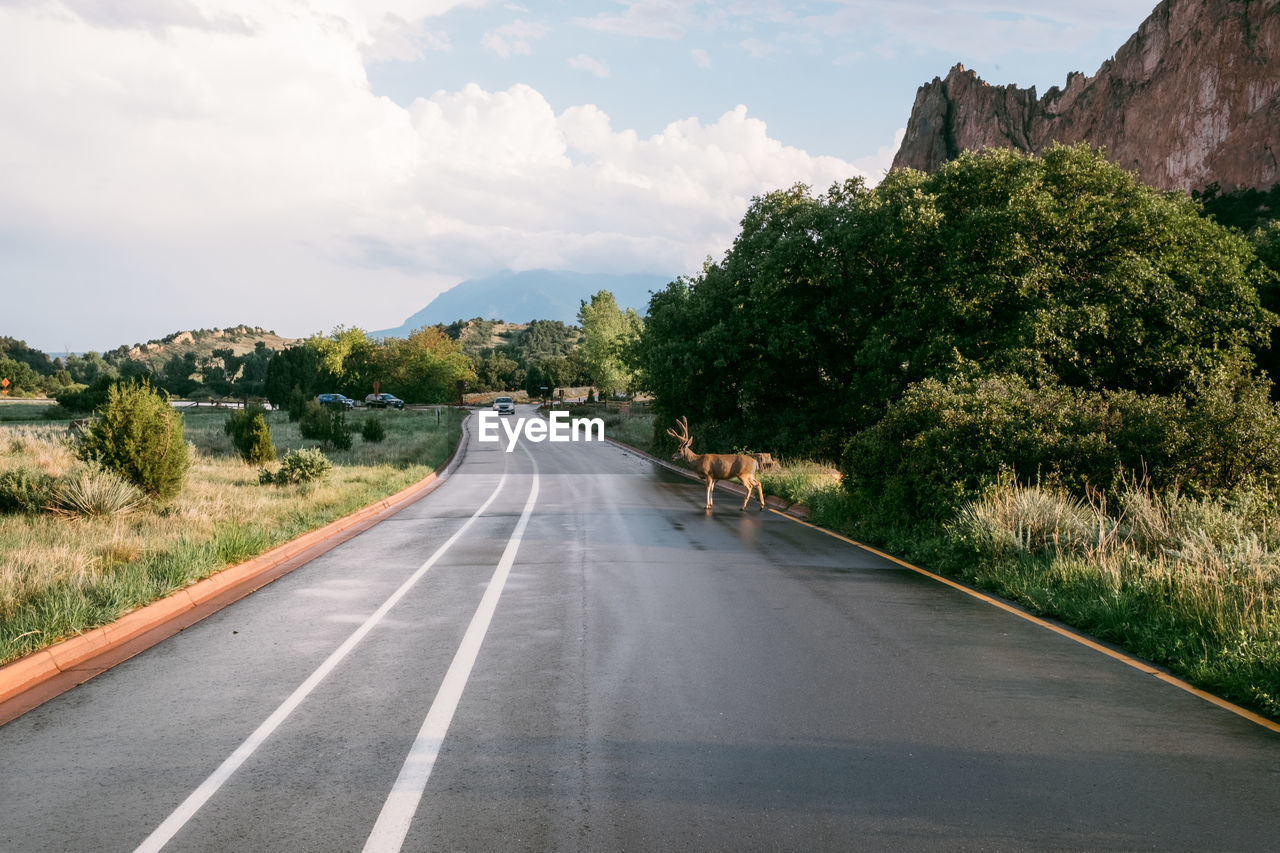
{"x": 425, "y": 367}
{"x": 607, "y": 333}
{"x": 299, "y": 368}
{"x": 1060, "y": 268}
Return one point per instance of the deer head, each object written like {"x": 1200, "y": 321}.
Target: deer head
{"x": 686, "y": 441}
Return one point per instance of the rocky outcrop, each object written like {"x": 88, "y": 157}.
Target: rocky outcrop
{"x": 1192, "y": 98}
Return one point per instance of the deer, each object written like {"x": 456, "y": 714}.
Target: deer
{"x": 717, "y": 466}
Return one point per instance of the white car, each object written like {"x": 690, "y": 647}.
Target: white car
{"x": 504, "y": 406}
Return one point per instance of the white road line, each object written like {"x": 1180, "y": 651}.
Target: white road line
{"x": 397, "y": 813}
{"x": 172, "y": 824}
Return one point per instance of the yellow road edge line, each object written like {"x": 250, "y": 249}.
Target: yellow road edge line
{"x": 1128, "y": 660}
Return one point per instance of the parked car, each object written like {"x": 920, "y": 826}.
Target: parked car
{"x": 504, "y": 406}
{"x": 335, "y": 399}
{"x": 382, "y": 401}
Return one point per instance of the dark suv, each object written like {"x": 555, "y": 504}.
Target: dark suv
{"x": 382, "y": 401}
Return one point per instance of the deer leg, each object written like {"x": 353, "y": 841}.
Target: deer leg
{"x": 711, "y": 484}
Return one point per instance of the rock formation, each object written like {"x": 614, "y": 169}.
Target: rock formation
{"x": 1192, "y": 98}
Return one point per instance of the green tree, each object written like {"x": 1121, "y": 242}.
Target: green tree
{"x": 250, "y": 434}
{"x": 607, "y": 333}
{"x": 88, "y": 368}
{"x": 543, "y": 339}
{"x": 297, "y": 368}
{"x": 1061, "y": 269}
{"x": 251, "y": 378}
{"x": 19, "y": 351}
{"x": 179, "y": 374}
{"x": 425, "y": 367}
{"x": 21, "y": 377}
{"x": 349, "y": 357}
{"x": 498, "y": 372}
{"x": 138, "y": 435}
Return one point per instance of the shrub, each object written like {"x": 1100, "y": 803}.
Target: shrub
{"x": 138, "y": 436}
{"x": 1026, "y": 518}
{"x": 328, "y": 425}
{"x": 297, "y": 405}
{"x": 24, "y": 490}
{"x": 95, "y": 493}
{"x": 250, "y": 434}
{"x": 302, "y": 466}
{"x": 86, "y": 398}
{"x": 373, "y": 430}
{"x": 1230, "y": 434}
{"x": 945, "y": 443}
{"x": 339, "y": 432}
{"x": 313, "y": 423}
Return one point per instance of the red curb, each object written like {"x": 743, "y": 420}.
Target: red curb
{"x": 41, "y": 675}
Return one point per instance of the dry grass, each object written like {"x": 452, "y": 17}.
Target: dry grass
{"x": 62, "y": 575}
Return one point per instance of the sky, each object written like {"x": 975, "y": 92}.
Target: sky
{"x": 303, "y": 164}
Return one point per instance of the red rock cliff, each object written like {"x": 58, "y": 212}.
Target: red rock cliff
{"x": 1193, "y": 97}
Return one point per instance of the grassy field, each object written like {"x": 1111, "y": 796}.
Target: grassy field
{"x": 1191, "y": 585}
{"x": 61, "y": 576}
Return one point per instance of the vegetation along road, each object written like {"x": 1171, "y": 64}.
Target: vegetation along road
{"x": 560, "y": 649}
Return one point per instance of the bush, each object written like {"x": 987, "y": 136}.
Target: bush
{"x": 302, "y": 466}
{"x": 138, "y": 436}
{"x": 373, "y": 430}
{"x": 945, "y": 443}
{"x": 82, "y": 398}
{"x": 95, "y": 493}
{"x": 328, "y": 425}
{"x": 250, "y": 434}
{"x": 24, "y": 490}
{"x": 297, "y": 405}
{"x": 1229, "y": 436}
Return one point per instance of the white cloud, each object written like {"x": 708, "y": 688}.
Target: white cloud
{"x": 756, "y": 47}
{"x": 877, "y": 165}
{"x": 177, "y": 174}
{"x": 661, "y": 19}
{"x": 700, "y": 58}
{"x": 514, "y": 38}
{"x": 980, "y": 28}
{"x": 591, "y": 65}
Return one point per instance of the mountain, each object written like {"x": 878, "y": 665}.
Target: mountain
{"x": 1191, "y": 99}
{"x": 518, "y": 297}
{"x": 239, "y": 339}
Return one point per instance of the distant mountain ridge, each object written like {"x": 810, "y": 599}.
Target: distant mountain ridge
{"x": 519, "y": 297}
{"x": 239, "y": 339}
{"x": 1191, "y": 99}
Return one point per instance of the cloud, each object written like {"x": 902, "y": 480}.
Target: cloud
{"x": 660, "y": 19}
{"x": 582, "y": 62}
{"x": 700, "y": 58}
{"x": 173, "y": 175}
{"x": 877, "y": 165}
{"x": 983, "y": 29}
{"x": 514, "y": 38}
{"x": 757, "y": 48}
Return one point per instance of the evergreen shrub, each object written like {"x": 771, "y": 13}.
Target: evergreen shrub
{"x": 138, "y": 436}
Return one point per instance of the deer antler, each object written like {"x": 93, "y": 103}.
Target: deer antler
{"x": 683, "y": 435}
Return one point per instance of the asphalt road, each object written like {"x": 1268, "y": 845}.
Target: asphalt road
{"x": 558, "y": 649}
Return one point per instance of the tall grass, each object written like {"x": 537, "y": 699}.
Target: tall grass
{"x": 1191, "y": 584}
{"x": 60, "y": 576}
